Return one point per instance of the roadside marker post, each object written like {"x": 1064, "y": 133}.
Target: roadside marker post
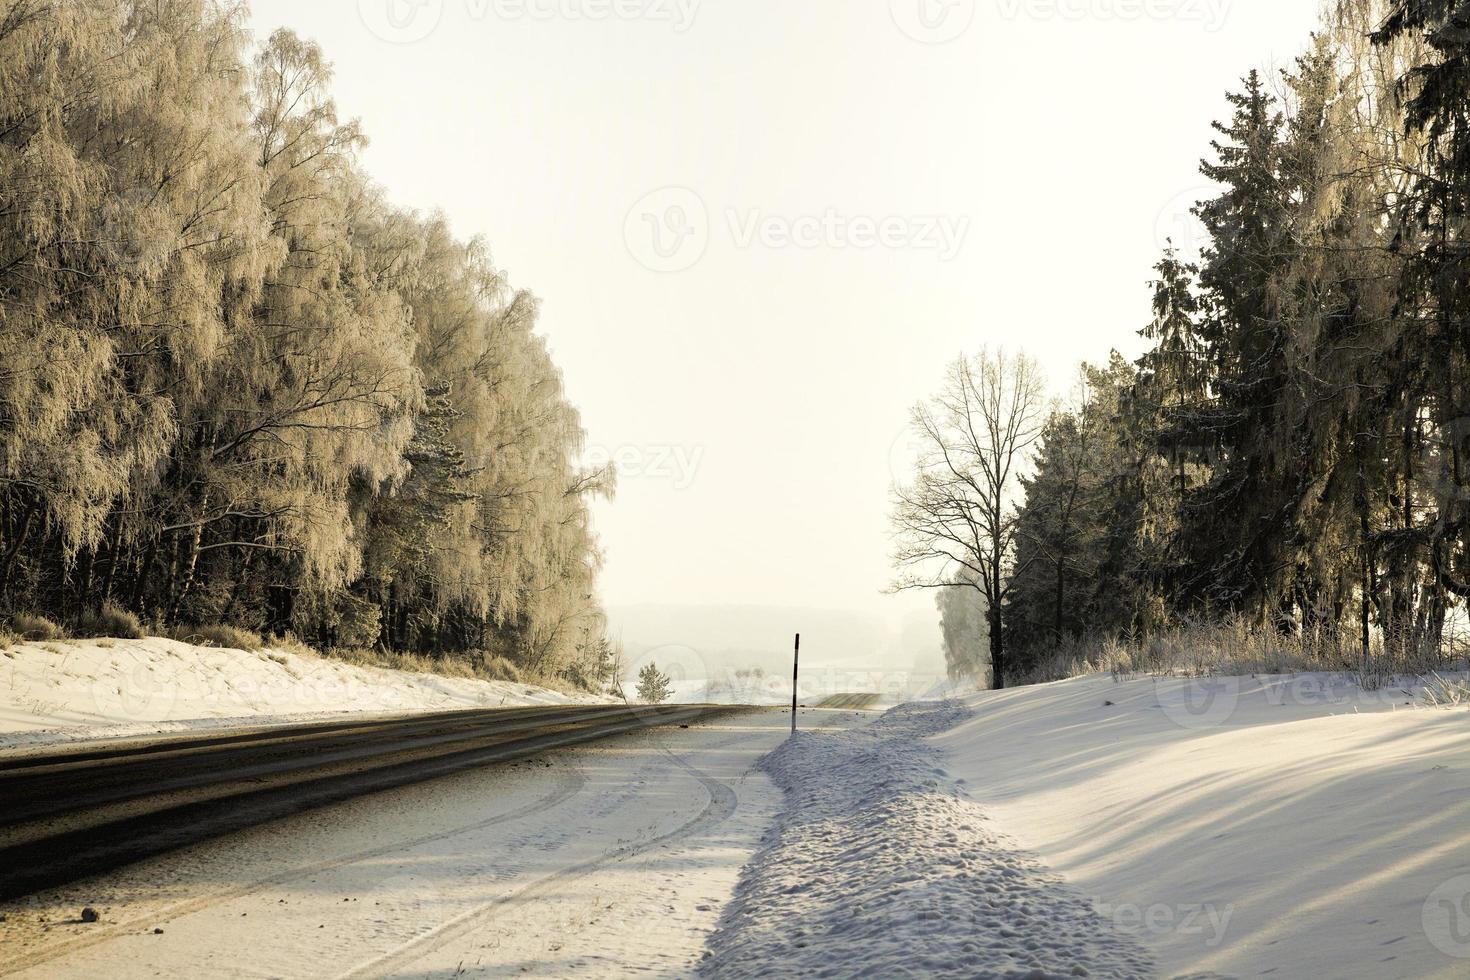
{"x": 795, "y": 667}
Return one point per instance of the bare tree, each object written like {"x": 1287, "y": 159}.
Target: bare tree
{"x": 955, "y": 523}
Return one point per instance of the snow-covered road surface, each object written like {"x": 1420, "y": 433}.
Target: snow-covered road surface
{"x": 78, "y": 813}
{"x": 607, "y": 860}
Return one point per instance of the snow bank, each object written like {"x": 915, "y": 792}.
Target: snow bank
{"x": 1286, "y": 826}
{"x": 80, "y": 689}
{"x": 878, "y": 866}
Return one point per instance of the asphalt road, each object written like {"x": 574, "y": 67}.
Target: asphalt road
{"x": 71, "y": 814}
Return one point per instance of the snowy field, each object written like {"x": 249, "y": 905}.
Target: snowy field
{"x": 77, "y": 689}
{"x": 1239, "y": 827}
{"x": 892, "y": 688}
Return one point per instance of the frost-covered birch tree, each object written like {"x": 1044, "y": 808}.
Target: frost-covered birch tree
{"x": 238, "y": 385}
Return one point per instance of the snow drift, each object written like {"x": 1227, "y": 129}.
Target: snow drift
{"x": 879, "y": 866}
{"x": 1290, "y": 826}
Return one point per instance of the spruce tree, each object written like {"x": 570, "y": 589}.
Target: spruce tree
{"x": 1234, "y": 522}
{"x": 653, "y": 685}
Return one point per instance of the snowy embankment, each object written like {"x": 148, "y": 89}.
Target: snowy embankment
{"x": 879, "y": 866}
{"x": 1284, "y": 826}
{"x": 77, "y": 689}
{"x": 1206, "y": 829}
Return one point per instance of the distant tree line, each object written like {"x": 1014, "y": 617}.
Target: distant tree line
{"x": 1293, "y": 450}
{"x": 237, "y": 385}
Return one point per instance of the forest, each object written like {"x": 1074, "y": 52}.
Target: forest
{"x": 1288, "y": 463}
{"x": 238, "y": 386}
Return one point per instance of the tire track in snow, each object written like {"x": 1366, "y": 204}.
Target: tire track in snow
{"x": 571, "y": 782}
{"x": 719, "y": 807}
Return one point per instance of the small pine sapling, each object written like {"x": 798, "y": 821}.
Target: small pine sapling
{"x": 653, "y": 685}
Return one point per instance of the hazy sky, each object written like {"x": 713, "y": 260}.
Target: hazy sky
{"x": 759, "y": 228}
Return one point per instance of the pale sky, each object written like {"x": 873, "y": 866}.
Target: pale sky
{"x": 840, "y": 204}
